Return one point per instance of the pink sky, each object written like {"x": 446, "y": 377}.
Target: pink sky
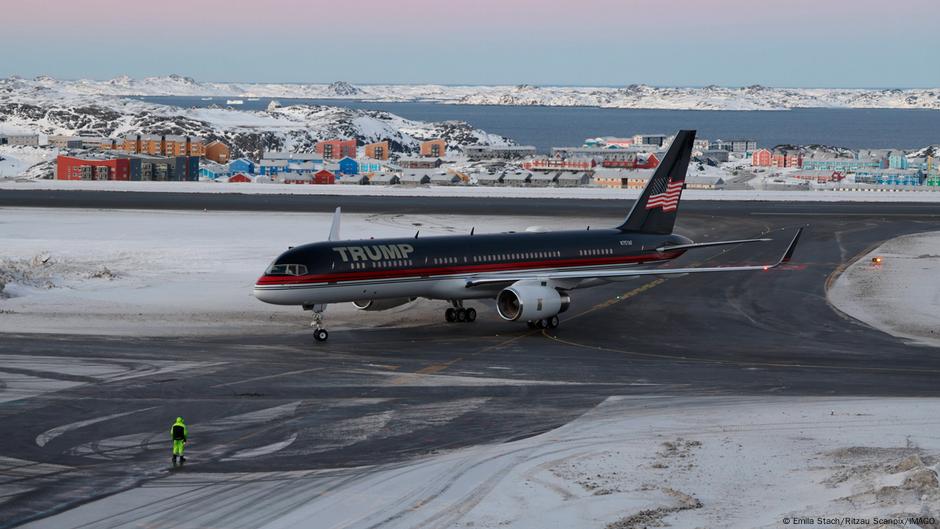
{"x": 482, "y": 40}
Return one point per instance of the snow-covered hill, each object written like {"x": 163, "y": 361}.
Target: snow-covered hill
{"x": 634, "y": 96}
{"x": 52, "y": 107}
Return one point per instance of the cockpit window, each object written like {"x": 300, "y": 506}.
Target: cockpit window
{"x": 287, "y": 270}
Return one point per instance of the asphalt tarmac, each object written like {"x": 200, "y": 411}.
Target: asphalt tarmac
{"x": 95, "y": 411}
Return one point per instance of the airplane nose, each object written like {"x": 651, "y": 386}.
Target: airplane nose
{"x": 261, "y": 294}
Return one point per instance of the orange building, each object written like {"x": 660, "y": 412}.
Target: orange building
{"x": 433, "y": 148}
{"x": 156, "y": 145}
{"x": 336, "y": 149}
{"x": 378, "y": 150}
{"x": 761, "y": 158}
{"x": 218, "y": 152}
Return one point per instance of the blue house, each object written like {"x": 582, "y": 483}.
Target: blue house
{"x": 241, "y": 165}
{"x": 370, "y": 165}
{"x": 898, "y": 160}
{"x": 213, "y": 171}
{"x": 348, "y": 166}
{"x": 272, "y": 167}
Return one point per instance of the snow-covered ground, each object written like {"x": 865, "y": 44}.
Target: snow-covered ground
{"x": 632, "y": 96}
{"x": 56, "y": 108}
{"x": 17, "y": 160}
{"x": 631, "y": 463}
{"x": 925, "y": 194}
{"x": 176, "y": 272}
{"x": 900, "y": 296}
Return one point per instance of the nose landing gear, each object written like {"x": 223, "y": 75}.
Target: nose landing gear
{"x": 319, "y": 333}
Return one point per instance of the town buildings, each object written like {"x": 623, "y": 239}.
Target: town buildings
{"x": 19, "y": 139}
{"x": 560, "y": 164}
{"x": 738, "y": 145}
{"x": 378, "y": 150}
{"x": 131, "y": 167}
{"x": 92, "y": 167}
{"x": 409, "y": 162}
{"x": 336, "y": 149}
{"x": 218, "y": 152}
{"x": 777, "y": 158}
{"x": 158, "y": 145}
{"x": 508, "y": 152}
{"x": 433, "y": 149}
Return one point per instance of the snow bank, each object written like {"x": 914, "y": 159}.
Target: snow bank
{"x": 633, "y": 462}
{"x": 901, "y": 296}
{"x": 887, "y": 195}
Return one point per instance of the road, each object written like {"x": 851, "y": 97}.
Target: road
{"x": 94, "y": 412}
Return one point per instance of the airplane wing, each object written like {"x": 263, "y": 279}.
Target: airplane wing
{"x": 495, "y": 278}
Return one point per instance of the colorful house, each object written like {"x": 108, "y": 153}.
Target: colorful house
{"x": 218, "y": 152}
{"x": 239, "y": 178}
{"x": 433, "y": 148}
{"x": 213, "y": 171}
{"x": 371, "y": 166}
{"x": 348, "y": 166}
{"x": 324, "y": 177}
{"x": 762, "y": 158}
{"x": 336, "y": 149}
{"x": 242, "y": 165}
{"x": 378, "y": 150}
{"x": 272, "y": 167}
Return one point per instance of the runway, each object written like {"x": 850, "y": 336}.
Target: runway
{"x": 94, "y": 412}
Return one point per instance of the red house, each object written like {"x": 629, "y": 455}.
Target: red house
{"x": 324, "y": 177}
{"x": 762, "y": 158}
{"x": 787, "y": 159}
{"x": 92, "y": 168}
{"x": 336, "y": 149}
{"x": 240, "y": 178}
{"x": 651, "y": 162}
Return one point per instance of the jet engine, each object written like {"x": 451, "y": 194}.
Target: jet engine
{"x": 381, "y": 304}
{"x": 530, "y": 302}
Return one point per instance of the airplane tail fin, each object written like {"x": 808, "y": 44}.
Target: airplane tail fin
{"x": 655, "y": 211}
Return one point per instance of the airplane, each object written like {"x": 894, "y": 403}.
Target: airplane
{"x": 530, "y": 274}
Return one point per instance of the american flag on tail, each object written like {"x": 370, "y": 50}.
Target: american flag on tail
{"x": 665, "y": 195}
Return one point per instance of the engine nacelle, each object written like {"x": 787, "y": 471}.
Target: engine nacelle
{"x": 381, "y": 304}
{"x": 530, "y": 302}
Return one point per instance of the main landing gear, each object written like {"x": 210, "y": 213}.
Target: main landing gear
{"x": 459, "y": 314}
{"x": 319, "y": 333}
{"x": 547, "y": 323}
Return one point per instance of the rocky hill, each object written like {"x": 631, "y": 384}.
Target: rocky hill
{"x": 45, "y": 106}
{"x": 755, "y": 97}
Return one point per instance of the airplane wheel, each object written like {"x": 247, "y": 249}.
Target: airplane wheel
{"x": 553, "y": 322}
{"x": 541, "y": 324}
{"x": 321, "y": 335}
{"x": 461, "y": 315}
{"x": 450, "y": 315}
{"x": 471, "y": 314}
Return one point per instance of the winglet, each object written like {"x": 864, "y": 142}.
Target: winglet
{"x": 789, "y": 253}
{"x": 334, "y": 228}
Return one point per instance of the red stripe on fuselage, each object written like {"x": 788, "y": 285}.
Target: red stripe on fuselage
{"x": 463, "y": 269}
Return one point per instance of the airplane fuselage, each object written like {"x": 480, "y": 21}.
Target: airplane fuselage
{"x": 438, "y": 267}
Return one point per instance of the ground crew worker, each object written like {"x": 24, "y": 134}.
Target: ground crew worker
{"x": 178, "y": 433}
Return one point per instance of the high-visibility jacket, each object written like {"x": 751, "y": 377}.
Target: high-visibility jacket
{"x": 178, "y": 430}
